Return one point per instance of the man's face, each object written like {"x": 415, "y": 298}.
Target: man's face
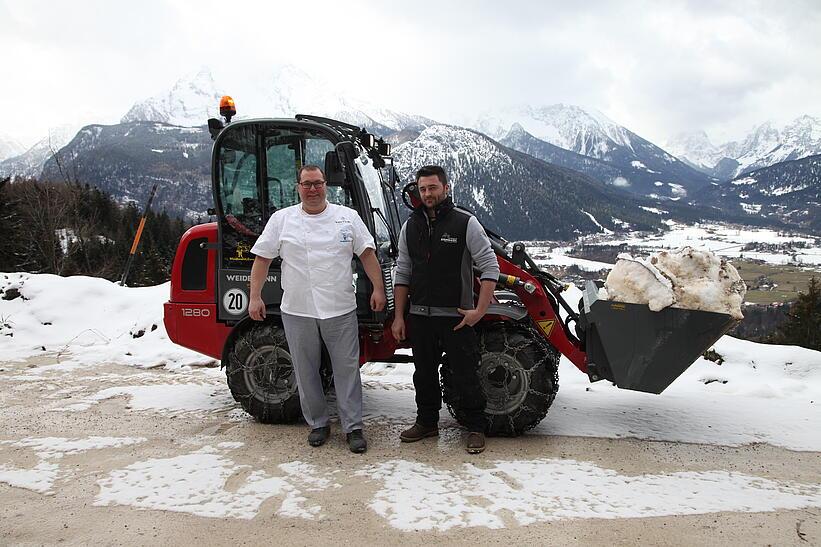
{"x": 432, "y": 191}
{"x": 313, "y": 195}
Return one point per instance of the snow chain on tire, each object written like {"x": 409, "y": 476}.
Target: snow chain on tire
{"x": 261, "y": 376}
{"x": 519, "y": 374}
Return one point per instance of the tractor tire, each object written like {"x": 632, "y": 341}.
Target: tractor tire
{"x": 519, "y": 375}
{"x": 261, "y": 376}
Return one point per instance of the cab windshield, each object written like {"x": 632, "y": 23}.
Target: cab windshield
{"x": 257, "y": 173}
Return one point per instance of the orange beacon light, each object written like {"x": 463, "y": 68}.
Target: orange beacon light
{"x": 227, "y": 108}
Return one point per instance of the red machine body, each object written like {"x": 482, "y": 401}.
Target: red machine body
{"x": 191, "y": 314}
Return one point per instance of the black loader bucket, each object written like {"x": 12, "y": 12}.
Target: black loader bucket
{"x": 643, "y": 350}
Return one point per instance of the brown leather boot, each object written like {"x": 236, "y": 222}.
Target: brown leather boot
{"x": 417, "y": 432}
{"x": 475, "y": 442}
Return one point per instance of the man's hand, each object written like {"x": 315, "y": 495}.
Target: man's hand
{"x": 398, "y": 328}
{"x": 259, "y": 270}
{"x": 374, "y": 271}
{"x": 256, "y": 308}
{"x": 471, "y": 317}
{"x": 378, "y": 299}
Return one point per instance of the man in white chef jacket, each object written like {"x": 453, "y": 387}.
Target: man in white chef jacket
{"x": 316, "y": 241}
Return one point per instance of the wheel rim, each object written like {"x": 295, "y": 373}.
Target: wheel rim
{"x": 505, "y": 383}
{"x": 270, "y": 374}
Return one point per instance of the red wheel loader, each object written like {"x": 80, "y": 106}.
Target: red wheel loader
{"x": 254, "y": 166}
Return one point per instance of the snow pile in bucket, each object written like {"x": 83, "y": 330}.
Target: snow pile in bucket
{"x": 686, "y": 278}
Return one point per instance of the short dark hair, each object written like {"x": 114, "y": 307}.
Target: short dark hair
{"x": 309, "y": 167}
{"x": 432, "y": 170}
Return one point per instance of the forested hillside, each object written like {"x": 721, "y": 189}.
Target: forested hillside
{"x": 75, "y": 229}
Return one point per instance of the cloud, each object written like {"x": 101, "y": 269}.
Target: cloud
{"x": 657, "y": 68}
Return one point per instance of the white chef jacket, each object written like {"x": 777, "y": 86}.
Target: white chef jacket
{"x": 316, "y": 252}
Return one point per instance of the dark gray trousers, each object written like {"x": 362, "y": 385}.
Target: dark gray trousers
{"x": 341, "y": 337}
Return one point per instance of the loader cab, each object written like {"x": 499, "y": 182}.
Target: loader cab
{"x": 254, "y": 174}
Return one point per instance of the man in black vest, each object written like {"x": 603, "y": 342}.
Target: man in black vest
{"x": 438, "y": 246}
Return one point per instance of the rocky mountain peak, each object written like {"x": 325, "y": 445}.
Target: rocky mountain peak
{"x": 286, "y": 90}
{"x": 10, "y": 147}
{"x": 695, "y": 148}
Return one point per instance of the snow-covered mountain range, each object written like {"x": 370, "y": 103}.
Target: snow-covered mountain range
{"x": 587, "y": 132}
{"x": 284, "y": 92}
{"x": 634, "y": 176}
{"x": 789, "y": 191}
{"x": 29, "y": 163}
{"x": 765, "y": 145}
{"x": 126, "y": 159}
{"x": 568, "y": 137}
{"x": 10, "y": 147}
{"x": 584, "y": 131}
{"x": 516, "y": 194}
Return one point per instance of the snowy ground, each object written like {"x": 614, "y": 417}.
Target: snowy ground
{"x": 724, "y": 240}
{"x": 87, "y": 351}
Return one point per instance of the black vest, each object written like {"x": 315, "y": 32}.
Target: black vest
{"x": 437, "y": 250}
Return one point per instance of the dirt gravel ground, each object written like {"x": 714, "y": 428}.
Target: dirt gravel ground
{"x": 69, "y": 512}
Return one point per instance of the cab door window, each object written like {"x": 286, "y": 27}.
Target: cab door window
{"x": 282, "y": 158}
{"x": 238, "y": 166}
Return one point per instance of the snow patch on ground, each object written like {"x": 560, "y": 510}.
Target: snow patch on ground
{"x": 727, "y": 241}
{"x": 39, "y": 479}
{"x": 596, "y": 222}
{"x": 677, "y": 189}
{"x": 732, "y": 414}
{"x": 557, "y": 256}
{"x": 479, "y": 197}
{"x": 89, "y": 320}
{"x": 751, "y": 208}
{"x": 57, "y": 447}
{"x": 417, "y": 496}
{"x": 196, "y": 483}
{"x": 44, "y": 474}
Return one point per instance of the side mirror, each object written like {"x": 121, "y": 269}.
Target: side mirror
{"x": 334, "y": 174}
{"x": 346, "y": 152}
{"x": 384, "y": 148}
{"x": 367, "y": 139}
{"x": 214, "y": 127}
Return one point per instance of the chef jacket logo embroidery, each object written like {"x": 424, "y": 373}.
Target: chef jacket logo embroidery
{"x": 345, "y": 234}
{"x": 345, "y": 230}
{"x": 447, "y": 238}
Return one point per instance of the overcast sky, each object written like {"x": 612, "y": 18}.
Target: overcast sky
{"x": 657, "y": 68}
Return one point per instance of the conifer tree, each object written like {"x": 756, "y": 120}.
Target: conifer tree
{"x": 76, "y": 229}
{"x": 803, "y": 325}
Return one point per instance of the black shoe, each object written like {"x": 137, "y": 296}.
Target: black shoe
{"x": 318, "y": 436}
{"x": 417, "y": 432}
{"x": 357, "y": 442}
{"x": 475, "y": 443}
